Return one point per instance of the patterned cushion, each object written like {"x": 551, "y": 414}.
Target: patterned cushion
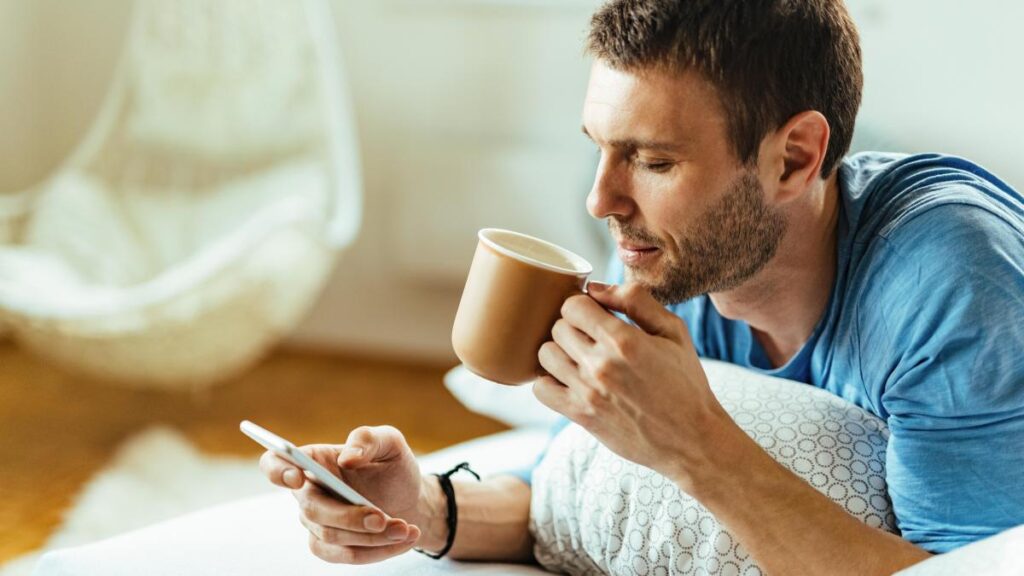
{"x": 594, "y": 512}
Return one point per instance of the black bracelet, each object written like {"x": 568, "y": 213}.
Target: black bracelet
{"x": 453, "y": 510}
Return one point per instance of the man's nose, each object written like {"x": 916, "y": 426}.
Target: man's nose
{"x": 609, "y": 196}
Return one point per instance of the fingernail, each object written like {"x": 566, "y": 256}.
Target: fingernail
{"x": 373, "y": 522}
{"x": 291, "y": 477}
{"x": 352, "y": 452}
{"x": 595, "y": 286}
{"x": 397, "y": 532}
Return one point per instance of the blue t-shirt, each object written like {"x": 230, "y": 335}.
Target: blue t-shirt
{"x": 925, "y": 329}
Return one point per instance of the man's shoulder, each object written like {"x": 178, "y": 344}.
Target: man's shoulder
{"x": 942, "y": 252}
{"x": 933, "y": 302}
{"x": 928, "y": 211}
{"x": 959, "y": 237}
{"x": 944, "y": 255}
{"x": 894, "y": 169}
{"x": 883, "y": 191}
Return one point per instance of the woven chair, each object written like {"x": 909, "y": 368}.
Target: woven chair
{"x": 197, "y": 221}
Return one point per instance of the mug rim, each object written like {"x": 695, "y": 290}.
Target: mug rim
{"x": 585, "y": 267}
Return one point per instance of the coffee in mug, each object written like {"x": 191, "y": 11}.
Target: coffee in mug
{"x": 512, "y": 299}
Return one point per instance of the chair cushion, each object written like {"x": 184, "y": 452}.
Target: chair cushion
{"x": 123, "y": 236}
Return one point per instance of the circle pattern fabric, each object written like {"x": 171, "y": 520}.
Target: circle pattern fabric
{"x": 593, "y": 512}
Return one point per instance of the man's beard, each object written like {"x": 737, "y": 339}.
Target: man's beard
{"x": 729, "y": 243}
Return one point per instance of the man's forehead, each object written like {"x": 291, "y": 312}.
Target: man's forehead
{"x": 652, "y": 106}
{"x": 659, "y": 143}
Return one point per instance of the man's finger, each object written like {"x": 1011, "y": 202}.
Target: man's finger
{"x": 573, "y": 341}
{"x": 636, "y": 302}
{"x": 356, "y": 554}
{"x": 552, "y": 394}
{"x": 324, "y": 509}
{"x": 587, "y": 315}
{"x": 558, "y": 364}
{"x": 281, "y": 473}
{"x": 367, "y": 445}
{"x": 340, "y": 537}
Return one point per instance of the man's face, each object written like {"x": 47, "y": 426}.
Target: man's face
{"x": 688, "y": 217}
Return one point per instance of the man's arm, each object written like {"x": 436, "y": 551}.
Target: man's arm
{"x": 785, "y": 523}
{"x": 493, "y": 519}
{"x": 641, "y": 391}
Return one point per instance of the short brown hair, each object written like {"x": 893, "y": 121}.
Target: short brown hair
{"x": 768, "y": 59}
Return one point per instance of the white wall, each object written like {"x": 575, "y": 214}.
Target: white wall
{"x": 945, "y": 76}
{"x": 56, "y": 59}
{"x": 468, "y": 115}
{"x": 17, "y": 134}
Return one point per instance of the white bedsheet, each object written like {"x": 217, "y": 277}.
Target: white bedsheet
{"x": 262, "y": 535}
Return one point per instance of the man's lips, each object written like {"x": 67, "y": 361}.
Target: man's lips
{"x": 635, "y": 247}
{"x": 636, "y": 253}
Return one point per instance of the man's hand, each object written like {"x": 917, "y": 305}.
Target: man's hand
{"x": 378, "y": 464}
{"x": 640, "y": 390}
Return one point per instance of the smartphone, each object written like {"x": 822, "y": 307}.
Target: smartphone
{"x": 315, "y": 472}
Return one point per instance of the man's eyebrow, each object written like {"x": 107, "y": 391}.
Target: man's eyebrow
{"x": 638, "y": 144}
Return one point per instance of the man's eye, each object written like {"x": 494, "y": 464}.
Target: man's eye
{"x": 654, "y": 166}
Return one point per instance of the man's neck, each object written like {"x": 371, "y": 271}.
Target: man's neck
{"x": 784, "y": 301}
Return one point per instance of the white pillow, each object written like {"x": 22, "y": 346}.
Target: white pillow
{"x": 593, "y": 512}
{"x": 999, "y": 555}
{"x": 512, "y": 405}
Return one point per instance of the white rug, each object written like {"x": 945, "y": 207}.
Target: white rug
{"x": 155, "y": 475}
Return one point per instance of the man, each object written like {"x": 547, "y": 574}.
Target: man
{"x": 895, "y": 282}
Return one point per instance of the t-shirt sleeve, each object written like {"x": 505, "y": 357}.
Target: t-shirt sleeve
{"x": 947, "y": 303}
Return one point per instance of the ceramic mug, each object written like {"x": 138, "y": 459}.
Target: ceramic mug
{"x": 512, "y": 299}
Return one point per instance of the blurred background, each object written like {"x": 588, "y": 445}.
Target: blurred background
{"x": 212, "y": 211}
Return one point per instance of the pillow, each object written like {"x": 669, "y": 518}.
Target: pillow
{"x": 512, "y": 405}
{"x": 999, "y": 555}
{"x": 592, "y": 511}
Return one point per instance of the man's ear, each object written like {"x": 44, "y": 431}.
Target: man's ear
{"x": 796, "y": 152}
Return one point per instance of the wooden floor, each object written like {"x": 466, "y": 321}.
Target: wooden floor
{"x": 57, "y": 430}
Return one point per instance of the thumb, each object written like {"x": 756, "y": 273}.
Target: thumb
{"x": 635, "y": 302}
{"x": 369, "y": 445}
